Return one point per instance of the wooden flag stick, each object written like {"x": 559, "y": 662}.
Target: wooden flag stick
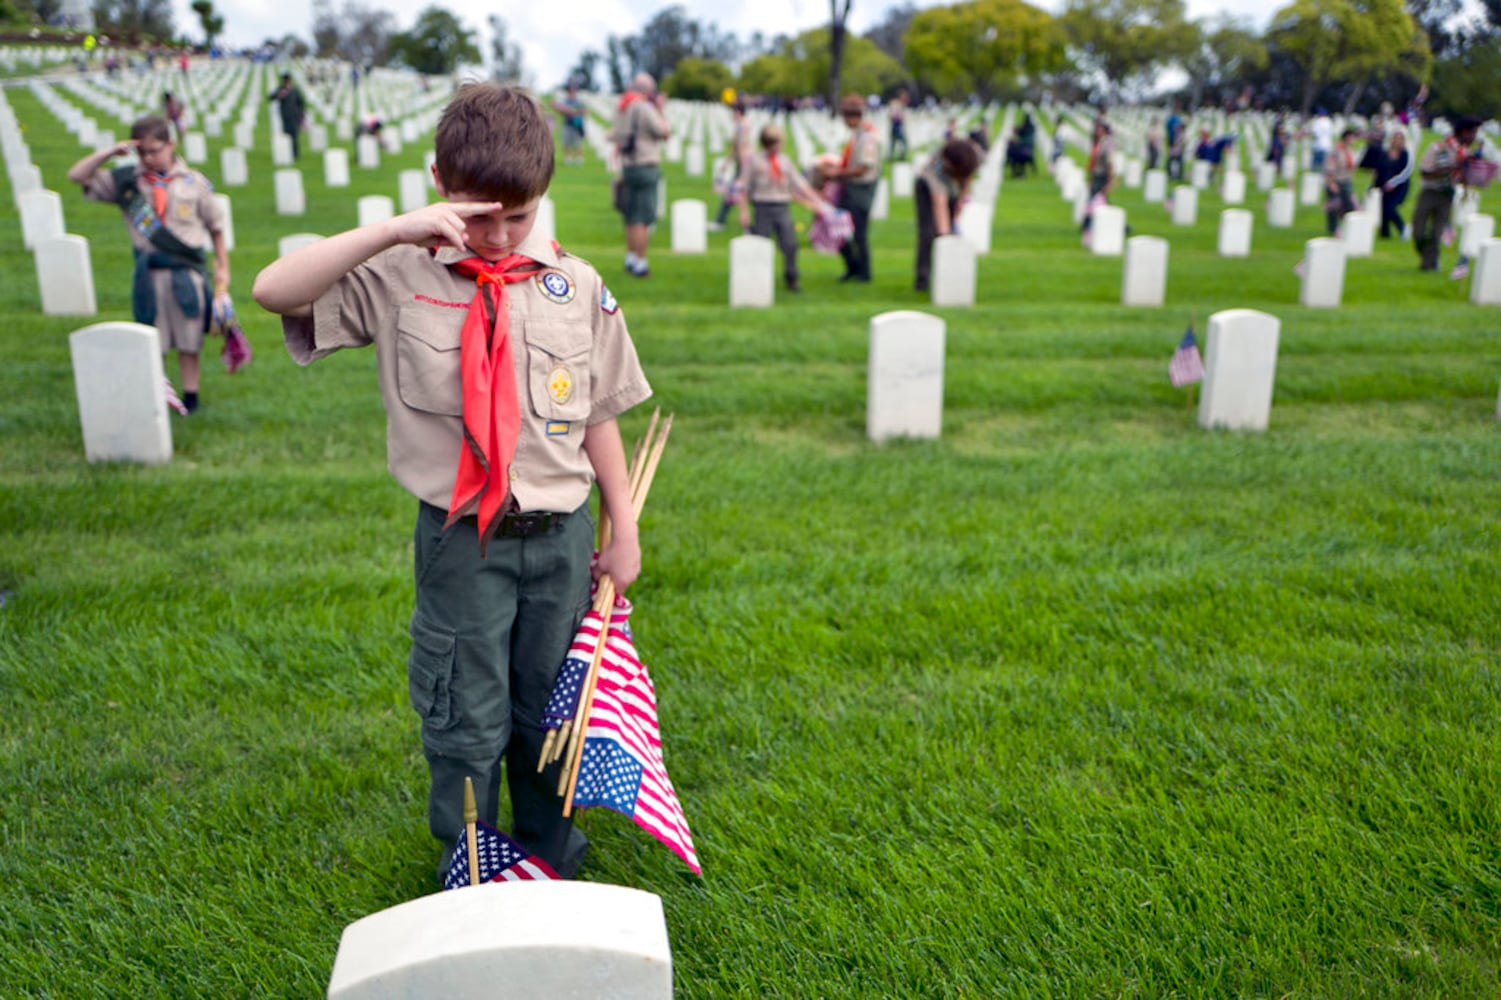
{"x": 568, "y": 777}
{"x": 638, "y": 498}
{"x": 471, "y": 817}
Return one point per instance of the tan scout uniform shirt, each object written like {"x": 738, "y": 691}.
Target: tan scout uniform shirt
{"x": 192, "y": 214}
{"x": 575, "y": 365}
{"x": 866, "y": 155}
{"x": 760, "y": 185}
{"x": 642, "y": 119}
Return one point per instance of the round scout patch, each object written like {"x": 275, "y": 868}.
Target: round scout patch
{"x": 560, "y": 384}
{"x": 555, "y": 287}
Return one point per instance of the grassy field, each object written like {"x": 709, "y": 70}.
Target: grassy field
{"x": 1079, "y": 700}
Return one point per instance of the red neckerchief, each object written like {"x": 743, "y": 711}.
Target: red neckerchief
{"x": 158, "y": 184}
{"x": 628, "y": 98}
{"x": 776, "y": 167}
{"x": 492, "y": 412}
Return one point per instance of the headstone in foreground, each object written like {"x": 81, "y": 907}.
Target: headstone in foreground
{"x": 1233, "y": 187}
{"x": 336, "y": 167}
{"x": 953, "y": 279}
{"x": 1311, "y": 189}
{"x": 752, "y": 274}
{"x": 1280, "y": 208}
{"x": 690, "y": 224}
{"x": 1154, "y": 186}
{"x": 1477, "y": 229}
{"x": 290, "y": 199}
{"x": 1235, "y": 233}
{"x": 1107, "y": 231}
{"x": 1485, "y": 275}
{"x": 974, "y": 224}
{"x": 122, "y": 402}
{"x": 233, "y": 168}
{"x": 1358, "y": 230}
{"x": 374, "y": 208}
{"x": 41, "y": 217}
{"x": 1240, "y": 364}
{"x": 1144, "y": 278}
{"x": 65, "y": 276}
{"x": 510, "y": 941}
{"x": 1185, "y": 205}
{"x": 905, "y": 384}
{"x": 1323, "y": 273}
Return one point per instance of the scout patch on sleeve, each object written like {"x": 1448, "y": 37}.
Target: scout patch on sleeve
{"x": 560, "y": 384}
{"x": 555, "y": 286}
{"x": 607, "y": 301}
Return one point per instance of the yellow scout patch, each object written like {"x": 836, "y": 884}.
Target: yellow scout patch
{"x": 560, "y": 384}
{"x": 555, "y": 286}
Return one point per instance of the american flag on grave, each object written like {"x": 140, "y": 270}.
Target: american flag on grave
{"x": 622, "y": 767}
{"x": 501, "y": 859}
{"x": 1186, "y": 367}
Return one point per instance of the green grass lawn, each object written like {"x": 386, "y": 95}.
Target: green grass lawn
{"x": 1079, "y": 700}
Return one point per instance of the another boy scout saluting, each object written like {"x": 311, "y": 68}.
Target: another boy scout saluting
{"x": 501, "y": 457}
{"x": 171, "y": 213}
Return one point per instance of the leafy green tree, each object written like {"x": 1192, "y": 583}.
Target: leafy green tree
{"x": 1226, "y": 52}
{"x": 802, "y": 66}
{"x": 209, "y": 20}
{"x": 1349, "y": 41}
{"x": 698, "y": 79}
{"x": 981, "y": 47}
{"x": 773, "y": 73}
{"x": 505, "y": 55}
{"x": 437, "y": 45}
{"x": 357, "y": 33}
{"x": 1125, "y": 42}
{"x": 1469, "y": 81}
{"x": 135, "y": 18}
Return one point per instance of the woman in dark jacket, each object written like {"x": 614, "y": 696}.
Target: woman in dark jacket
{"x": 1393, "y": 172}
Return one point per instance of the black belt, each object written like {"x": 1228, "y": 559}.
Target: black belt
{"x": 519, "y": 524}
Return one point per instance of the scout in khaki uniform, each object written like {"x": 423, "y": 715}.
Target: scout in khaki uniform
{"x": 638, "y": 131}
{"x": 503, "y": 362}
{"x": 858, "y": 171}
{"x": 772, "y": 183}
{"x": 171, "y": 214}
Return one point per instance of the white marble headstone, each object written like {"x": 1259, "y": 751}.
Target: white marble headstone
{"x": 227, "y": 213}
{"x": 546, "y": 225}
{"x": 690, "y": 222}
{"x": 374, "y": 208}
{"x": 1358, "y": 230}
{"x": 693, "y": 160}
{"x": 1280, "y": 208}
{"x": 1185, "y": 205}
{"x": 752, "y": 274}
{"x": 1199, "y": 174}
{"x": 233, "y": 168}
{"x": 195, "y": 147}
{"x": 510, "y": 941}
{"x": 880, "y": 208}
{"x": 65, "y": 276}
{"x": 281, "y": 150}
{"x": 122, "y": 402}
{"x": 903, "y": 180}
{"x": 1233, "y": 188}
{"x": 1266, "y": 176}
{"x": 1107, "y": 231}
{"x": 1477, "y": 229}
{"x": 1485, "y": 274}
{"x": 41, "y": 217}
{"x": 336, "y": 167}
{"x": 294, "y": 242}
{"x": 1323, "y": 273}
{"x": 290, "y": 199}
{"x": 905, "y": 388}
{"x": 974, "y": 224}
{"x": 1154, "y": 187}
{"x": 367, "y": 152}
{"x": 1311, "y": 189}
{"x": 952, "y": 281}
{"x": 1235, "y": 233}
{"x": 412, "y": 189}
{"x": 1144, "y": 278}
{"x": 1240, "y": 365}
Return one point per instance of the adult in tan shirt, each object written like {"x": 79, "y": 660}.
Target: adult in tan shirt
{"x": 495, "y": 613}
{"x": 637, "y": 133}
{"x": 171, "y": 215}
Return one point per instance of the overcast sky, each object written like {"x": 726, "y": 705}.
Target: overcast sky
{"x": 551, "y": 37}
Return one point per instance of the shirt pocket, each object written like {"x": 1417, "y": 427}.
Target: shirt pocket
{"x": 429, "y": 376}
{"x": 558, "y": 369}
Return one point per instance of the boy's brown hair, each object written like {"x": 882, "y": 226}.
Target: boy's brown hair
{"x": 962, "y": 157}
{"x": 494, "y": 142}
{"x": 152, "y": 127}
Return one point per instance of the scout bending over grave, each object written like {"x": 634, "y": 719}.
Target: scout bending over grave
{"x": 503, "y": 364}
{"x": 171, "y": 213}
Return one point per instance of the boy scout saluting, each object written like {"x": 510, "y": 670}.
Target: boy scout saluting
{"x": 171, "y": 213}
{"x": 503, "y": 363}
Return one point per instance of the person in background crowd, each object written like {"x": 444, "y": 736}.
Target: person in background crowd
{"x": 1441, "y": 170}
{"x": 858, "y": 171}
{"x": 940, "y": 188}
{"x": 1394, "y": 169}
{"x": 772, "y": 184}
{"x": 1339, "y": 180}
{"x": 639, "y": 128}
{"x": 292, "y": 109}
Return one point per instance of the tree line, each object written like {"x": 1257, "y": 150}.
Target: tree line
{"x": 1341, "y": 54}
